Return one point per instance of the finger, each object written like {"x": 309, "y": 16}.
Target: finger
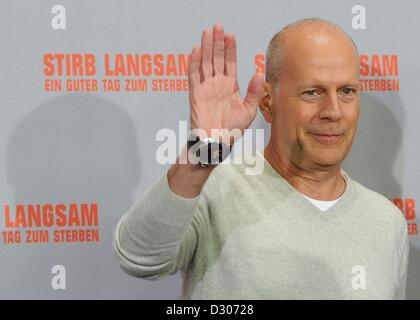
{"x": 230, "y": 53}
{"x": 207, "y": 53}
{"x": 255, "y": 92}
{"x": 218, "y": 49}
{"x": 194, "y": 70}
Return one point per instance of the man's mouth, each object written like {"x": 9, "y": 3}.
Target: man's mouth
{"x": 327, "y": 137}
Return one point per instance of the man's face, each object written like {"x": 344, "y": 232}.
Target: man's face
{"x": 316, "y": 103}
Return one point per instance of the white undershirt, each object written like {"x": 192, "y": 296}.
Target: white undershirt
{"x": 324, "y": 205}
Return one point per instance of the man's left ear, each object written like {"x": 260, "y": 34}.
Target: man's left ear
{"x": 266, "y": 103}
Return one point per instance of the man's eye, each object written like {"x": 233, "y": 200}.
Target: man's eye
{"x": 312, "y": 95}
{"x": 310, "y": 92}
{"x": 349, "y": 91}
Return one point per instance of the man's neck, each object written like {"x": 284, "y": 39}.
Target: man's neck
{"x": 316, "y": 184}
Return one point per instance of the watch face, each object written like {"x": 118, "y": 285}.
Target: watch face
{"x": 213, "y": 153}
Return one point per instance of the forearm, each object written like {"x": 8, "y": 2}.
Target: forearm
{"x": 147, "y": 238}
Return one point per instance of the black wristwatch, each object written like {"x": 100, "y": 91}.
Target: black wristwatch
{"x": 208, "y": 151}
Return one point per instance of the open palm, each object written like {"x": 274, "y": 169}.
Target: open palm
{"x": 215, "y": 101}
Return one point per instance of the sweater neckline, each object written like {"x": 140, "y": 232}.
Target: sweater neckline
{"x": 344, "y": 201}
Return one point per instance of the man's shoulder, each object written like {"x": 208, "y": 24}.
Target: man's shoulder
{"x": 377, "y": 204}
{"x": 238, "y": 167}
{"x": 236, "y": 172}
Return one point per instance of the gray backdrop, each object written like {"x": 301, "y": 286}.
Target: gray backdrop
{"x": 100, "y": 147}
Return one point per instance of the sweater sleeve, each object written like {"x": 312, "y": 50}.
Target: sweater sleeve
{"x": 404, "y": 257}
{"x": 157, "y": 236}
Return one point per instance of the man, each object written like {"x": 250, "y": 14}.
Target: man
{"x": 302, "y": 229}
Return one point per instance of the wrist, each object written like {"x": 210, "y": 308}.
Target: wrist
{"x": 207, "y": 151}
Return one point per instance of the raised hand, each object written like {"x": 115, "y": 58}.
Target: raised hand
{"x": 214, "y": 96}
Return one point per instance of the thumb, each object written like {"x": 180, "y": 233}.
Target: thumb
{"x": 255, "y": 92}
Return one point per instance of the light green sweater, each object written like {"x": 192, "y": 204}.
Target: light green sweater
{"x": 256, "y": 237}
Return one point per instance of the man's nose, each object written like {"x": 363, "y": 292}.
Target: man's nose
{"x": 330, "y": 107}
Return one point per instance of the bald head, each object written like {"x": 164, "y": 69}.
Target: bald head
{"x": 307, "y": 36}
{"x": 312, "y": 95}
